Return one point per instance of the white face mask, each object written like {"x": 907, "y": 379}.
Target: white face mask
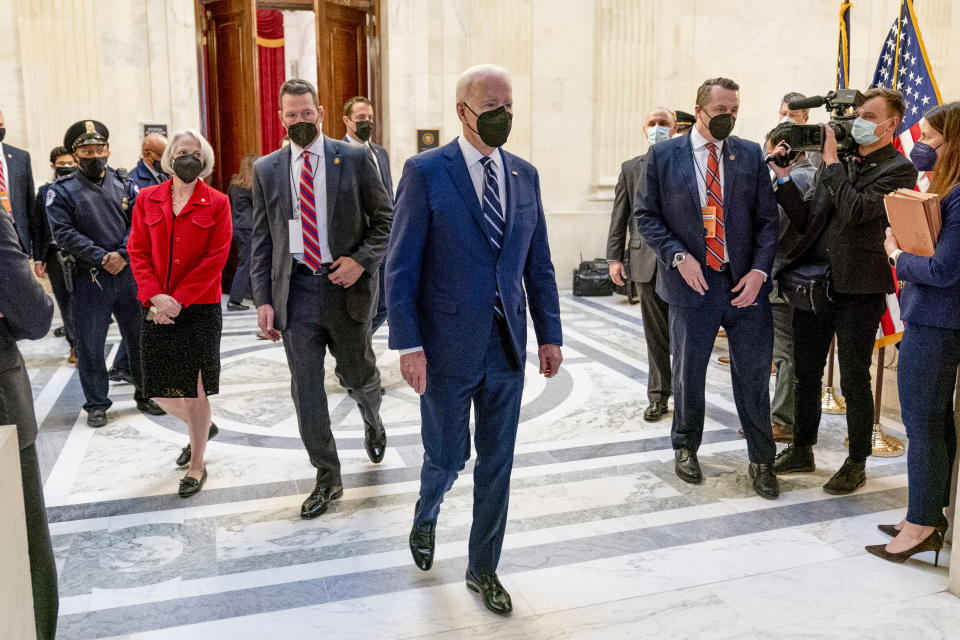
{"x": 658, "y": 133}
{"x": 787, "y": 120}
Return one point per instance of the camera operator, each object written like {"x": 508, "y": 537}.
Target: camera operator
{"x": 840, "y": 225}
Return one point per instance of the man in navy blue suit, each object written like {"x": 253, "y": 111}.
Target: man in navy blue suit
{"x": 16, "y": 188}
{"x": 469, "y": 235}
{"x": 709, "y": 212}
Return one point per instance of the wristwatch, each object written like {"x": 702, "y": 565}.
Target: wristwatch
{"x": 679, "y": 257}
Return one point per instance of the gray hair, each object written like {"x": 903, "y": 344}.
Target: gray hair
{"x": 206, "y": 152}
{"x": 467, "y": 79}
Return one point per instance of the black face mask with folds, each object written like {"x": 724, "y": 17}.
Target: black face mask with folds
{"x": 187, "y": 167}
{"x": 64, "y": 171}
{"x": 364, "y": 129}
{"x": 302, "y": 133}
{"x": 494, "y": 126}
{"x": 721, "y": 125}
{"x": 92, "y": 168}
{"x": 3, "y": 132}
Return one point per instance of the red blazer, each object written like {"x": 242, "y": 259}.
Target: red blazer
{"x": 197, "y": 242}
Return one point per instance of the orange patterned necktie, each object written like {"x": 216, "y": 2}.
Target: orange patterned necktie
{"x": 715, "y": 245}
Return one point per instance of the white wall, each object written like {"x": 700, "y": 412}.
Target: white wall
{"x": 585, "y": 72}
{"x": 123, "y": 62}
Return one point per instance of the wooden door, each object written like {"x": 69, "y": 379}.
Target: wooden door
{"x": 228, "y": 37}
{"x": 341, "y": 61}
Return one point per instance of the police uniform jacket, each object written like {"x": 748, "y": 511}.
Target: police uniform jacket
{"x": 89, "y": 220}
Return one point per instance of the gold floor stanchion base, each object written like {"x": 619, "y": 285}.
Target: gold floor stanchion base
{"x": 833, "y": 403}
{"x": 883, "y": 444}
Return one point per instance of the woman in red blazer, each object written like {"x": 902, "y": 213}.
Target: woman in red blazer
{"x": 179, "y": 241}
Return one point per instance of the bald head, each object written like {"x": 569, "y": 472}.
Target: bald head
{"x": 660, "y": 116}
{"x": 155, "y": 144}
{"x": 479, "y": 79}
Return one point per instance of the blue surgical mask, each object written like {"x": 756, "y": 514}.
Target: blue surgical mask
{"x": 864, "y": 131}
{"x": 657, "y": 134}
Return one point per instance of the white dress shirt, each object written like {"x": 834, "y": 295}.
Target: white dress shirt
{"x": 318, "y": 163}
{"x": 472, "y": 157}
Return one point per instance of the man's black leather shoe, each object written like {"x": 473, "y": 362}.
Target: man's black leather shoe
{"x": 851, "y": 476}
{"x": 116, "y": 375}
{"x": 319, "y": 501}
{"x": 794, "y": 459}
{"x": 654, "y": 411}
{"x": 185, "y": 454}
{"x": 236, "y": 306}
{"x": 764, "y": 480}
{"x": 97, "y": 418}
{"x": 375, "y": 444}
{"x": 151, "y": 407}
{"x": 423, "y": 543}
{"x": 687, "y": 466}
{"x": 488, "y": 587}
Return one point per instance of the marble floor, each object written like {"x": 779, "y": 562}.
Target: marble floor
{"x": 603, "y": 540}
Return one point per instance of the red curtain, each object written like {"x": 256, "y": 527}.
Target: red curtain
{"x": 270, "y": 66}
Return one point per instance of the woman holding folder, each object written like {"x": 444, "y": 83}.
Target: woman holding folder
{"x": 930, "y": 351}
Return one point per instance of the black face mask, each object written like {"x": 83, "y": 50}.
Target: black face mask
{"x": 64, "y": 171}
{"x": 302, "y": 133}
{"x": 364, "y": 129}
{"x": 720, "y": 125}
{"x": 3, "y": 132}
{"x": 187, "y": 167}
{"x": 493, "y": 127}
{"x": 92, "y": 167}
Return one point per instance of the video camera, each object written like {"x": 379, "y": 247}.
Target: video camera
{"x": 809, "y": 137}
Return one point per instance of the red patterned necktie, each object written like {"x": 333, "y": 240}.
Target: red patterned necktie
{"x": 308, "y": 216}
{"x": 715, "y": 245}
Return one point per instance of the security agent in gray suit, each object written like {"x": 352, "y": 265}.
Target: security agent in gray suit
{"x": 660, "y": 125}
{"x": 321, "y": 224}
{"x": 25, "y": 314}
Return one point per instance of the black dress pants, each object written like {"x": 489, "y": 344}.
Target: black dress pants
{"x": 43, "y": 567}
{"x": 854, "y": 319}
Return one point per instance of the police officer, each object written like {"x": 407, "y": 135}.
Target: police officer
{"x": 89, "y": 212}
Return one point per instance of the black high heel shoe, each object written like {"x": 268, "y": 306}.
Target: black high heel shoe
{"x": 892, "y": 531}
{"x": 933, "y": 542}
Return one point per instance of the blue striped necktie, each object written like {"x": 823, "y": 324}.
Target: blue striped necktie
{"x": 493, "y": 214}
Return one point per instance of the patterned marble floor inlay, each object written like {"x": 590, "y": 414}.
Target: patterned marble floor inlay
{"x": 603, "y": 540}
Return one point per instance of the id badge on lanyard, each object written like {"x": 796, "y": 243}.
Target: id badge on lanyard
{"x": 5, "y": 201}
{"x": 709, "y": 220}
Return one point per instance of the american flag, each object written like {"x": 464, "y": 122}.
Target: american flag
{"x": 904, "y": 66}
{"x": 843, "y": 47}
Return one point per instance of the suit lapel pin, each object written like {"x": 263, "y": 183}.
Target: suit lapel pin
{"x": 733, "y": 157}
{"x": 514, "y": 172}
{"x": 336, "y": 161}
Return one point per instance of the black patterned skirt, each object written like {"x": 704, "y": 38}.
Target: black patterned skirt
{"x": 175, "y": 354}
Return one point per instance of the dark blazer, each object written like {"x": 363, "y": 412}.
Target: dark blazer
{"x": 40, "y": 237}
{"x": 27, "y": 312}
{"x": 443, "y": 272}
{"x": 845, "y": 212}
{"x": 670, "y": 220}
{"x": 643, "y": 259}
{"x": 20, "y": 186}
{"x": 931, "y": 293}
{"x": 241, "y": 207}
{"x": 383, "y": 160}
{"x": 359, "y": 215}
{"x": 142, "y": 177}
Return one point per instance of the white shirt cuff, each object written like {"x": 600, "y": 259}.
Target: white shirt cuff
{"x": 764, "y": 273}
{"x": 404, "y": 352}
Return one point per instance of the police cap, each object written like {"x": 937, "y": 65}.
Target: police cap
{"x": 684, "y": 120}
{"x": 86, "y": 132}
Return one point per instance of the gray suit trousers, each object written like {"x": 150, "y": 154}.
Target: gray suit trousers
{"x": 317, "y": 319}
{"x": 656, "y": 331}
{"x": 781, "y": 407}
